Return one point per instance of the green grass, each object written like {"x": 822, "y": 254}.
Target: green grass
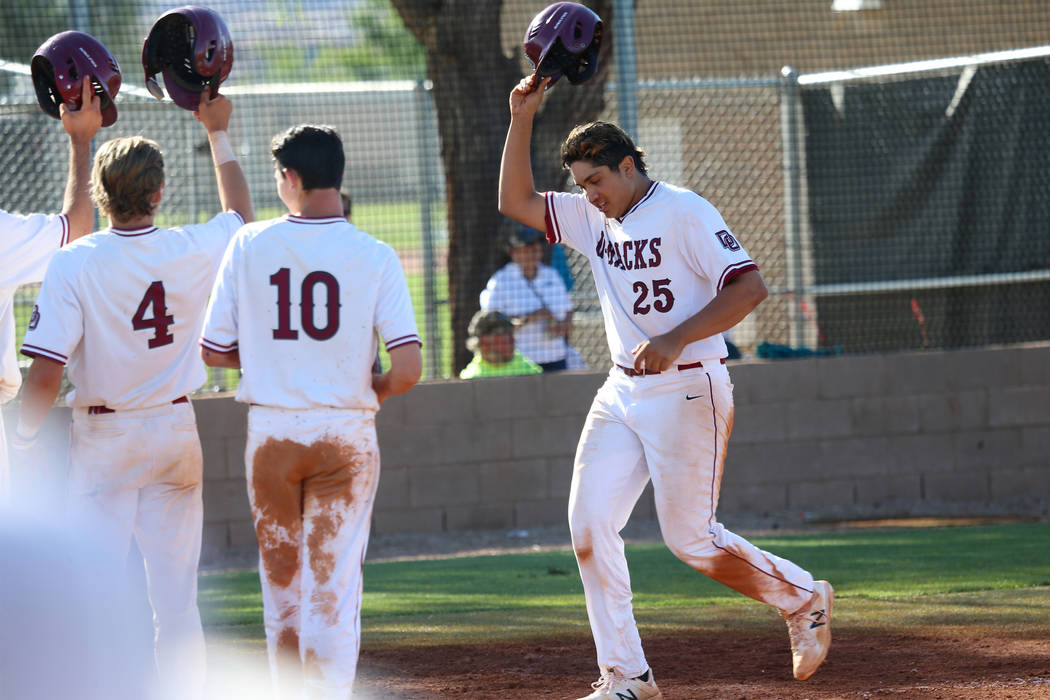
{"x": 990, "y": 575}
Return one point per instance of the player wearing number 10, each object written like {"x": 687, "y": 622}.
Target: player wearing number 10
{"x": 123, "y": 309}
{"x": 297, "y": 305}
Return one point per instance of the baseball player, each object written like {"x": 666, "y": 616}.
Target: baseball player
{"x": 670, "y": 277}
{"x": 297, "y": 306}
{"x": 28, "y": 242}
{"x": 122, "y": 310}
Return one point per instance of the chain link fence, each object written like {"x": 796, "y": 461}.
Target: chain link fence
{"x": 888, "y": 208}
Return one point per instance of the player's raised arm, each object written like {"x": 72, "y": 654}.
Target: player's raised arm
{"x": 81, "y": 125}
{"x": 214, "y": 114}
{"x": 518, "y": 198}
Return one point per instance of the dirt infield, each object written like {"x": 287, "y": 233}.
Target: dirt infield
{"x": 738, "y": 666}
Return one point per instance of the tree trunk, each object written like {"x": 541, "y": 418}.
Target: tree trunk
{"x": 472, "y": 81}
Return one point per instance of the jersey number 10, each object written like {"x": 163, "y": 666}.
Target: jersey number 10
{"x": 282, "y": 279}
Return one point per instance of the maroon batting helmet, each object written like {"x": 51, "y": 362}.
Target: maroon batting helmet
{"x": 564, "y": 40}
{"x": 59, "y": 66}
{"x": 191, "y": 45}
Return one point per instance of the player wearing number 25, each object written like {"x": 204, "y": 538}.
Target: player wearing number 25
{"x": 297, "y": 305}
{"x": 122, "y": 309}
{"x": 671, "y": 278}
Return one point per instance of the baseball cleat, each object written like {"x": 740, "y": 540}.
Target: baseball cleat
{"x": 810, "y": 630}
{"x": 614, "y": 686}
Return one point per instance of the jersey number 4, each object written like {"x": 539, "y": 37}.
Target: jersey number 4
{"x": 282, "y": 279}
{"x": 663, "y": 300}
{"x": 159, "y": 321}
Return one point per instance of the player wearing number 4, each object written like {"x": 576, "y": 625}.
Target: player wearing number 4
{"x": 122, "y": 309}
{"x": 671, "y": 278}
{"x": 297, "y": 305}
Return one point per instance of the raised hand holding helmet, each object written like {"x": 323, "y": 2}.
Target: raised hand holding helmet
{"x": 193, "y": 49}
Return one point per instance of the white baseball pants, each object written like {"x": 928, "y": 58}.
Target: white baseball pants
{"x": 648, "y": 427}
{"x": 138, "y": 473}
{"x": 312, "y": 478}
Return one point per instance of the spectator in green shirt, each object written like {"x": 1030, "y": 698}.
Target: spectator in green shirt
{"x": 492, "y": 342}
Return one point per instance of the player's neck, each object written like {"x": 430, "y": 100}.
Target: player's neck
{"x": 134, "y": 224}
{"x": 642, "y": 184}
{"x": 318, "y": 204}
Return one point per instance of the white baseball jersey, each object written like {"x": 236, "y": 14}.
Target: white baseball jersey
{"x": 26, "y": 246}
{"x": 302, "y": 300}
{"x": 509, "y": 292}
{"x": 654, "y": 267}
{"x": 124, "y": 308}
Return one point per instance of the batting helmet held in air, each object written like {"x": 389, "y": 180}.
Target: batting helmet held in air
{"x": 564, "y": 40}
{"x": 59, "y": 66}
{"x": 191, "y": 45}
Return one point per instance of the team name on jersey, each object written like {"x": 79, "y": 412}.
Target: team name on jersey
{"x": 629, "y": 255}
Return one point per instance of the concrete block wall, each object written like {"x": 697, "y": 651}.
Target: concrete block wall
{"x": 893, "y": 434}
{"x": 912, "y": 433}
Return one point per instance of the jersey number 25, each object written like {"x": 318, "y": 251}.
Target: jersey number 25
{"x": 663, "y": 299}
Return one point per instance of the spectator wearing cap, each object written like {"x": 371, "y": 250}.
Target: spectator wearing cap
{"x": 533, "y": 295}
{"x": 492, "y": 342}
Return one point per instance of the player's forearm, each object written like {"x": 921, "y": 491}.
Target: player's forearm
{"x": 77, "y": 204}
{"x": 729, "y": 307}
{"x": 38, "y": 395}
{"x": 227, "y": 360}
{"x": 406, "y": 367}
{"x": 233, "y": 185}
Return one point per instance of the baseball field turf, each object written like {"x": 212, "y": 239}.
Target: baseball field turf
{"x": 952, "y": 612}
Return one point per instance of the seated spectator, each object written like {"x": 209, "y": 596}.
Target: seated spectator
{"x": 533, "y": 295}
{"x": 492, "y": 342}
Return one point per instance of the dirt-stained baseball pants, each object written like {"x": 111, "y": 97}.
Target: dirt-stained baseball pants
{"x": 312, "y": 478}
{"x": 138, "y": 473}
{"x": 647, "y": 427}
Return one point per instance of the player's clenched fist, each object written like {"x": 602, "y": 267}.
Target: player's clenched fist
{"x": 527, "y": 96}
{"x": 657, "y": 353}
{"x": 214, "y": 113}
{"x": 84, "y": 122}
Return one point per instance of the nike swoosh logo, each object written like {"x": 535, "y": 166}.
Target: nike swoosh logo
{"x": 690, "y": 398}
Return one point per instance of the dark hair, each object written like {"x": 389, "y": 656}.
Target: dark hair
{"x": 601, "y": 143}
{"x": 314, "y": 152}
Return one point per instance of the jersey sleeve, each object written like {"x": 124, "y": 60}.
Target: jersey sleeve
{"x": 395, "y": 319}
{"x": 220, "y": 318}
{"x": 572, "y": 220}
{"x": 27, "y": 244}
{"x": 57, "y": 323}
{"x": 711, "y": 249}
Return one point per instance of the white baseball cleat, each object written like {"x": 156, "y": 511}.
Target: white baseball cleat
{"x": 614, "y": 686}
{"x": 810, "y": 630}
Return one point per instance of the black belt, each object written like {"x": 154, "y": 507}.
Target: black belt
{"x": 95, "y": 410}
{"x": 632, "y": 372}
